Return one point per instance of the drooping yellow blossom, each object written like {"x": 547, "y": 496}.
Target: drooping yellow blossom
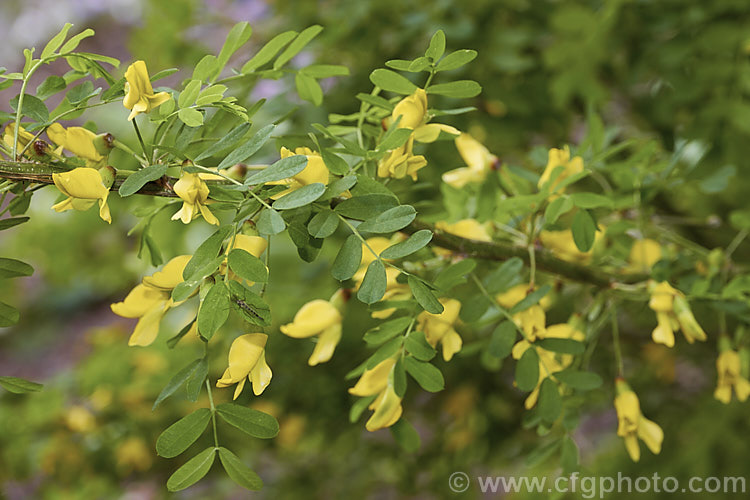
{"x": 83, "y": 187}
{"x": 560, "y": 158}
{"x": 247, "y": 361}
{"x": 465, "y": 228}
{"x": 516, "y": 294}
{"x": 24, "y": 138}
{"x": 644, "y": 254}
{"x": 672, "y": 312}
{"x": 729, "y": 369}
{"x": 139, "y": 94}
{"x": 321, "y": 318}
{"x": 632, "y": 425}
{"x": 562, "y": 244}
{"x": 479, "y": 161}
{"x": 150, "y": 300}
{"x": 314, "y": 172}
{"x": 439, "y": 328}
{"x": 77, "y": 140}
{"x": 401, "y": 162}
{"x": 193, "y": 191}
{"x": 549, "y": 362}
{"x": 387, "y": 405}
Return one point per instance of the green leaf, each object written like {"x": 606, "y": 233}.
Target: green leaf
{"x": 195, "y": 382}
{"x": 405, "y": 435}
{"x": 359, "y": 407}
{"x": 297, "y": 45}
{"x": 323, "y": 224}
{"x": 11, "y": 222}
{"x": 256, "y": 423}
{"x": 456, "y": 59}
{"x": 582, "y": 381}
{"x": 348, "y": 259}
{"x": 236, "y": 38}
{"x": 300, "y": 197}
{"x": 384, "y": 352}
{"x": 184, "y": 289}
{"x": 375, "y": 100}
{"x": 205, "y": 255}
{"x": 282, "y": 169}
{"x": 270, "y": 222}
{"x": 18, "y": 385}
{"x": 135, "y": 181}
{"x": 180, "y": 435}
{"x": 55, "y": 42}
{"x": 9, "y": 315}
{"x": 550, "y": 402}
{"x": 591, "y": 200}
{"x": 527, "y": 370}
{"x": 502, "y": 340}
{"x": 268, "y": 51}
{"x": 556, "y": 208}
{"x": 437, "y": 46}
{"x": 193, "y": 470}
{"x": 190, "y": 117}
{"x": 424, "y": 296}
{"x": 247, "y": 266}
{"x": 374, "y": 283}
{"x": 189, "y": 93}
{"x": 366, "y": 206}
{"x": 455, "y": 274}
{"x": 214, "y": 310}
{"x": 415, "y": 242}
{"x": 565, "y": 346}
{"x": 308, "y": 88}
{"x": 50, "y": 86}
{"x": 12, "y": 268}
{"x": 392, "y": 81}
{"x": 248, "y": 149}
{"x": 72, "y": 44}
{"x": 205, "y": 68}
{"x": 176, "y": 382}
{"x": 416, "y": 344}
{"x": 394, "y": 138}
{"x": 584, "y": 230}
{"x": 399, "y": 377}
{"x": 249, "y": 304}
{"x": 460, "y": 89}
{"x": 33, "y": 107}
{"x": 426, "y": 374}
{"x": 504, "y": 276}
{"x": 228, "y": 141}
{"x": 569, "y": 455}
{"x": 531, "y": 299}
{"x": 389, "y": 221}
{"x": 239, "y": 472}
{"x": 335, "y": 164}
{"x": 386, "y": 331}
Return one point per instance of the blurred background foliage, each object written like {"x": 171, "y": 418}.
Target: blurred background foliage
{"x": 673, "y": 74}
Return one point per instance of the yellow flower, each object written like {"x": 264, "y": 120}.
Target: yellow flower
{"x": 478, "y": 159}
{"x": 644, "y": 254}
{"x": 413, "y": 112}
{"x": 438, "y": 328}
{"x": 24, "y": 138}
{"x": 672, "y": 312}
{"x": 83, "y": 187}
{"x": 560, "y": 158}
{"x": 516, "y": 294}
{"x": 139, "y": 94}
{"x": 562, "y": 244}
{"x": 466, "y": 228}
{"x": 632, "y": 425}
{"x": 78, "y": 141}
{"x": 401, "y": 162}
{"x": 247, "y": 361}
{"x": 728, "y": 366}
{"x": 80, "y": 419}
{"x": 314, "y": 172}
{"x": 150, "y": 300}
{"x": 194, "y": 193}
{"x": 387, "y": 404}
{"x": 319, "y": 318}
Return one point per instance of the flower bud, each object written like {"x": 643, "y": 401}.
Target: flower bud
{"x": 237, "y": 172}
{"x": 104, "y": 143}
{"x": 108, "y": 174}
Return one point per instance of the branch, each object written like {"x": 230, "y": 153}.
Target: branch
{"x": 545, "y": 260}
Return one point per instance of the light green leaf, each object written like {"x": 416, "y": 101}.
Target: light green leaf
{"x": 228, "y": 141}
{"x": 18, "y": 385}
{"x": 437, "y": 46}
{"x": 248, "y": 149}
{"x": 72, "y": 44}
{"x": 190, "y": 117}
{"x": 270, "y": 222}
{"x": 206, "y": 67}
{"x": 256, "y": 423}
{"x": 456, "y": 59}
{"x": 556, "y": 208}
{"x": 12, "y": 268}
{"x": 392, "y": 81}
{"x": 323, "y": 224}
{"x": 180, "y": 435}
{"x": 205, "y": 255}
{"x": 282, "y": 169}
{"x": 176, "y": 382}
{"x": 389, "y": 221}
{"x": 591, "y": 200}
{"x": 531, "y": 299}
{"x": 325, "y": 70}
{"x": 236, "y": 38}
{"x": 502, "y": 340}
{"x": 297, "y": 45}
{"x": 268, "y": 51}
{"x": 189, "y": 93}
{"x": 247, "y": 266}
{"x": 300, "y": 197}
{"x": 55, "y": 42}
{"x": 9, "y": 315}
{"x": 308, "y": 88}
{"x": 193, "y": 470}
{"x": 458, "y": 89}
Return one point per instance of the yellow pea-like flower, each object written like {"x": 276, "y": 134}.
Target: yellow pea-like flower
{"x": 84, "y": 187}
{"x": 672, "y": 313}
{"x": 729, "y": 369}
{"x": 387, "y": 410}
{"x": 560, "y": 158}
{"x": 77, "y": 140}
{"x": 247, "y": 361}
{"x": 139, "y": 94}
{"x": 562, "y": 244}
{"x": 644, "y": 254}
{"x": 193, "y": 191}
{"x": 516, "y": 294}
{"x": 24, "y": 137}
{"x": 479, "y": 161}
{"x": 632, "y": 425}
{"x": 314, "y": 172}
{"x": 374, "y": 380}
{"x": 401, "y": 162}
{"x": 466, "y": 228}
{"x": 320, "y": 318}
{"x": 439, "y": 328}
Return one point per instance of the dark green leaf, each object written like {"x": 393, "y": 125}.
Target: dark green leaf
{"x": 33, "y": 107}
{"x": 527, "y": 370}
{"x": 405, "y": 435}
{"x": 193, "y": 470}
{"x": 584, "y": 230}
{"x": 176, "y": 382}
{"x": 323, "y": 224}
{"x": 180, "y": 435}
{"x": 239, "y": 472}
{"x": 270, "y": 222}
{"x": 550, "y": 402}
{"x": 456, "y": 59}
{"x": 18, "y": 385}
{"x": 424, "y": 296}
{"x": 335, "y": 164}
{"x": 300, "y": 197}
{"x": 389, "y": 221}
{"x": 247, "y": 266}
{"x": 366, "y": 206}
{"x": 249, "y": 304}
{"x": 135, "y": 181}
{"x": 426, "y": 374}
{"x": 50, "y": 86}
{"x": 256, "y": 423}
{"x": 248, "y": 149}
{"x": 228, "y": 141}
{"x": 195, "y": 381}
{"x": 348, "y": 259}
{"x": 12, "y": 222}
{"x": 582, "y": 381}
{"x": 205, "y": 255}
{"x": 214, "y": 310}
{"x": 414, "y": 243}
{"x": 282, "y": 169}
{"x": 416, "y": 344}
{"x": 12, "y": 268}
{"x": 374, "y": 283}
{"x": 565, "y": 346}
{"x": 455, "y": 274}
{"x": 386, "y": 331}
{"x": 502, "y": 340}
{"x": 384, "y": 352}
{"x": 569, "y": 456}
